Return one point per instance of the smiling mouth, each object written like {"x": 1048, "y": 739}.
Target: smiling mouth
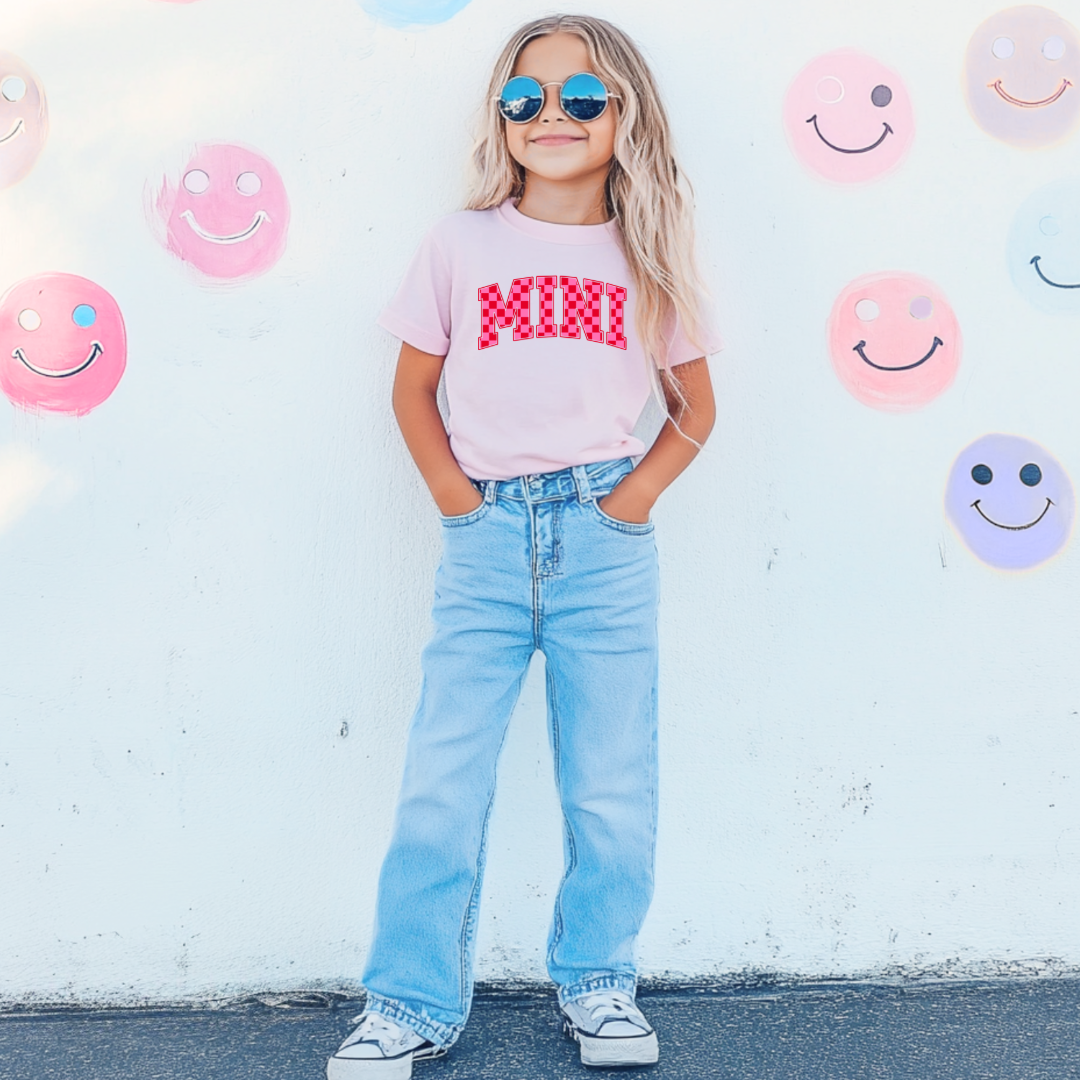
{"x": 905, "y": 367}
{"x": 1013, "y": 528}
{"x": 236, "y": 238}
{"x": 1056, "y": 284}
{"x": 1004, "y": 94}
{"x": 95, "y": 351}
{"x": 17, "y": 129}
{"x": 843, "y": 149}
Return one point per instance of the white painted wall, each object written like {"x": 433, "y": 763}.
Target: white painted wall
{"x": 870, "y": 740}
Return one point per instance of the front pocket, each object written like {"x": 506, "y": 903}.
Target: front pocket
{"x": 466, "y": 519}
{"x": 632, "y": 528}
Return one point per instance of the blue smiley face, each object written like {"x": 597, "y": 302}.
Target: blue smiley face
{"x": 1043, "y": 250}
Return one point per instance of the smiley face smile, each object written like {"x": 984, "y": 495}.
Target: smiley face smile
{"x": 843, "y": 149}
{"x": 996, "y": 85}
{"x": 1014, "y": 528}
{"x": 1056, "y": 284}
{"x": 95, "y": 351}
{"x": 902, "y": 367}
{"x": 236, "y": 238}
{"x": 17, "y": 129}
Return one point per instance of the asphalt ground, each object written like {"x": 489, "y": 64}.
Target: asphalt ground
{"x": 941, "y": 1031}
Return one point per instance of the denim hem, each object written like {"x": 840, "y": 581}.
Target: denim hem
{"x": 616, "y": 980}
{"x": 442, "y": 1035}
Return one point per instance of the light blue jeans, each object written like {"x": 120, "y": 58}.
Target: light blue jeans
{"x": 537, "y": 566}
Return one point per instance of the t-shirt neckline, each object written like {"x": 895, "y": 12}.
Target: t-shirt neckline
{"x": 554, "y": 232}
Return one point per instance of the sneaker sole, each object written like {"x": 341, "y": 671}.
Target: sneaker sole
{"x": 614, "y": 1053}
{"x": 399, "y": 1068}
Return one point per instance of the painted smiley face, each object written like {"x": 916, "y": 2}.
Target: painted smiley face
{"x": 24, "y": 119}
{"x": 1043, "y": 249}
{"x": 848, "y": 117}
{"x": 894, "y": 341}
{"x": 402, "y": 13}
{"x": 1010, "y": 501}
{"x": 228, "y": 216}
{"x": 1021, "y": 76}
{"x": 63, "y": 346}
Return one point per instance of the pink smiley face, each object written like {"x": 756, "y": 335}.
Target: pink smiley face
{"x": 63, "y": 346}
{"x": 894, "y": 341}
{"x": 1022, "y": 76}
{"x": 848, "y": 117}
{"x": 229, "y": 214}
{"x": 24, "y": 119}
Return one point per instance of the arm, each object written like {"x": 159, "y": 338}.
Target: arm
{"x": 416, "y": 384}
{"x": 633, "y": 497}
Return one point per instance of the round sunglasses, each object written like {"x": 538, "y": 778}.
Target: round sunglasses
{"x": 583, "y": 97}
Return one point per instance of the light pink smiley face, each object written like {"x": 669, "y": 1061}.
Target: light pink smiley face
{"x": 1022, "y": 76}
{"x": 24, "y": 119}
{"x": 848, "y": 117}
{"x": 229, "y": 214}
{"x": 894, "y": 341}
{"x": 63, "y": 346}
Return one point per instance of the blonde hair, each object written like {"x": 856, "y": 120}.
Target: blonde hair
{"x": 647, "y": 195}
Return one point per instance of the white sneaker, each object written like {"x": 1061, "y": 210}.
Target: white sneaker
{"x": 379, "y": 1049}
{"x": 610, "y": 1029}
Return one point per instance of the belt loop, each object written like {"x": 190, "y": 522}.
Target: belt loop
{"x": 581, "y": 481}
{"x": 490, "y": 487}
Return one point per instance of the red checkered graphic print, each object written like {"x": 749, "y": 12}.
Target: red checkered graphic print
{"x": 576, "y": 308}
{"x": 515, "y": 312}
{"x": 546, "y": 284}
{"x": 616, "y": 300}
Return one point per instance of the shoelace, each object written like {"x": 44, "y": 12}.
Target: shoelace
{"x": 613, "y": 1004}
{"x": 376, "y": 1027}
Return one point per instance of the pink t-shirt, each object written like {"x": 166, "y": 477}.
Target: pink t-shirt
{"x": 536, "y": 320}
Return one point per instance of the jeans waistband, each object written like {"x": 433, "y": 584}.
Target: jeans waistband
{"x": 580, "y": 480}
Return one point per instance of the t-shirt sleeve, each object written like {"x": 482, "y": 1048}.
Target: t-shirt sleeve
{"x": 682, "y": 350}
{"x": 419, "y": 313}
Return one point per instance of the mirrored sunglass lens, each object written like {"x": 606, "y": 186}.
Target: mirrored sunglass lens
{"x": 522, "y": 99}
{"x": 584, "y": 97}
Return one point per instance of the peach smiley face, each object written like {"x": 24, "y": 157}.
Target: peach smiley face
{"x": 24, "y": 119}
{"x": 229, "y": 214}
{"x": 1021, "y": 76}
{"x": 63, "y": 346}
{"x": 848, "y": 117}
{"x": 894, "y": 341}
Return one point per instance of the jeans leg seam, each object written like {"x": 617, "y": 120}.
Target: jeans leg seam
{"x": 571, "y": 862}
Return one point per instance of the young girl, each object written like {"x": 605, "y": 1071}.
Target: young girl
{"x": 553, "y": 306}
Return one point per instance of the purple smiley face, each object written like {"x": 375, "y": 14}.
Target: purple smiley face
{"x": 1010, "y": 501}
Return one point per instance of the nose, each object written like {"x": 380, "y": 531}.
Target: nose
{"x": 552, "y": 110}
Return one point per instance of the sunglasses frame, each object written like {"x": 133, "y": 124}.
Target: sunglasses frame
{"x": 543, "y": 86}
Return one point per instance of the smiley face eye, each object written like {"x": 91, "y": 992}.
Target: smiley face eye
{"x": 881, "y": 96}
{"x": 13, "y": 88}
{"x": 921, "y": 307}
{"x": 867, "y": 310}
{"x": 981, "y": 474}
{"x": 196, "y": 181}
{"x": 248, "y": 183}
{"x": 1031, "y": 474}
{"x": 29, "y": 320}
{"x": 1053, "y": 48}
{"x": 1049, "y": 225}
{"x": 1003, "y": 48}
{"x": 84, "y": 315}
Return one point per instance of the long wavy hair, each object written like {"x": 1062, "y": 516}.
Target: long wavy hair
{"x": 646, "y": 192}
